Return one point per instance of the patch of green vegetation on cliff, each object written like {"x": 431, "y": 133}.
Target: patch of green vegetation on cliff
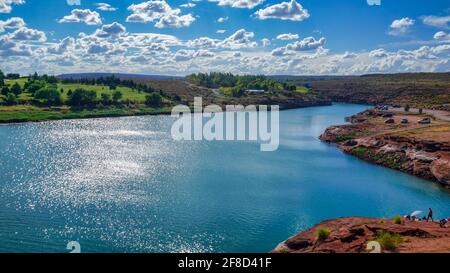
{"x": 389, "y": 241}
{"x": 397, "y": 220}
{"x": 359, "y": 151}
{"x": 323, "y": 233}
{"x": 393, "y": 161}
{"x": 345, "y": 137}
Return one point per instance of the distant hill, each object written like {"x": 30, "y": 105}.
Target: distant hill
{"x": 119, "y": 75}
{"x": 309, "y": 77}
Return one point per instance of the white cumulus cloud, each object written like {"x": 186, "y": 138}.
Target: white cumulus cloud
{"x": 159, "y": 12}
{"x": 11, "y": 23}
{"x": 222, "y": 19}
{"x": 188, "y": 5}
{"x": 401, "y": 26}
{"x": 248, "y": 4}
{"x": 441, "y": 35}
{"x": 6, "y": 5}
{"x": 284, "y": 11}
{"x": 86, "y": 16}
{"x": 287, "y": 36}
{"x": 105, "y": 7}
{"x": 28, "y": 34}
{"x": 437, "y": 21}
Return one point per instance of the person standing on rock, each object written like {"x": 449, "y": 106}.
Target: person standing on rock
{"x": 430, "y": 214}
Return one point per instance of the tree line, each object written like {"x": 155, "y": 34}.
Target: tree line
{"x": 238, "y": 83}
{"x": 111, "y": 81}
{"x": 44, "y": 90}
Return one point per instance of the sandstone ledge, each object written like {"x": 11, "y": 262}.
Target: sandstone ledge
{"x": 420, "y": 150}
{"x": 351, "y": 235}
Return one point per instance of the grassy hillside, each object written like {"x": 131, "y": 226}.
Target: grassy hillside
{"x": 26, "y": 106}
{"x": 128, "y": 93}
{"x": 184, "y": 92}
{"x": 422, "y": 90}
{"x": 26, "y": 113}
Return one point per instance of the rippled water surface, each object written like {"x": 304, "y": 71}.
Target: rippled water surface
{"x": 123, "y": 185}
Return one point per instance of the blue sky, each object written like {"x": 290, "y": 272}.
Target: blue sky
{"x": 255, "y": 36}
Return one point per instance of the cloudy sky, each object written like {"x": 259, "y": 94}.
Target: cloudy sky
{"x": 177, "y": 37}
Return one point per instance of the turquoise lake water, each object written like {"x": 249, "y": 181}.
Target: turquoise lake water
{"x": 123, "y": 185}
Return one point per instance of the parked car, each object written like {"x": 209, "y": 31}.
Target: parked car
{"x": 404, "y": 121}
{"x": 425, "y": 121}
{"x": 389, "y": 121}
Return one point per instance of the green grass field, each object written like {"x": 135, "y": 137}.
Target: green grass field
{"x": 20, "y": 81}
{"x": 302, "y": 90}
{"x": 128, "y": 93}
{"x": 25, "y": 111}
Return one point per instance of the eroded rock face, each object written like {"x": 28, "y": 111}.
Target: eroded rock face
{"x": 351, "y": 235}
{"x": 424, "y": 158}
{"x": 440, "y": 168}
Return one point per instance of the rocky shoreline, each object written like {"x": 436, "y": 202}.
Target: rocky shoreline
{"x": 420, "y": 150}
{"x": 354, "y": 234}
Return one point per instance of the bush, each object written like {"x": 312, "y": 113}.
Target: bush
{"x": 49, "y": 96}
{"x": 237, "y": 91}
{"x": 34, "y": 86}
{"x": 153, "y": 100}
{"x": 11, "y": 99}
{"x": 81, "y": 97}
{"x": 360, "y": 150}
{"x": 106, "y": 98}
{"x": 5, "y": 91}
{"x": 117, "y": 95}
{"x": 407, "y": 107}
{"x": 322, "y": 233}
{"x": 344, "y": 137}
{"x": 397, "y": 220}
{"x": 16, "y": 89}
{"x": 389, "y": 241}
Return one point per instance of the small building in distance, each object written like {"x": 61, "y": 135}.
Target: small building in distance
{"x": 255, "y": 91}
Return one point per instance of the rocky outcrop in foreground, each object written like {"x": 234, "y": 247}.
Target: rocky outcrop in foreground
{"x": 420, "y": 150}
{"x": 352, "y": 235}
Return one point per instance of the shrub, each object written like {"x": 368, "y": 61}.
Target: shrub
{"x": 323, "y": 233}
{"x": 49, "y": 96}
{"x": 389, "y": 241}
{"x": 237, "y": 91}
{"x": 81, "y": 97}
{"x": 397, "y": 220}
{"x": 344, "y": 137}
{"x": 34, "y": 86}
{"x": 16, "y": 89}
{"x": 11, "y": 99}
{"x": 360, "y": 150}
{"x": 117, "y": 95}
{"x": 153, "y": 100}
{"x": 5, "y": 91}
{"x": 407, "y": 107}
{"x": 105, "y": 98}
